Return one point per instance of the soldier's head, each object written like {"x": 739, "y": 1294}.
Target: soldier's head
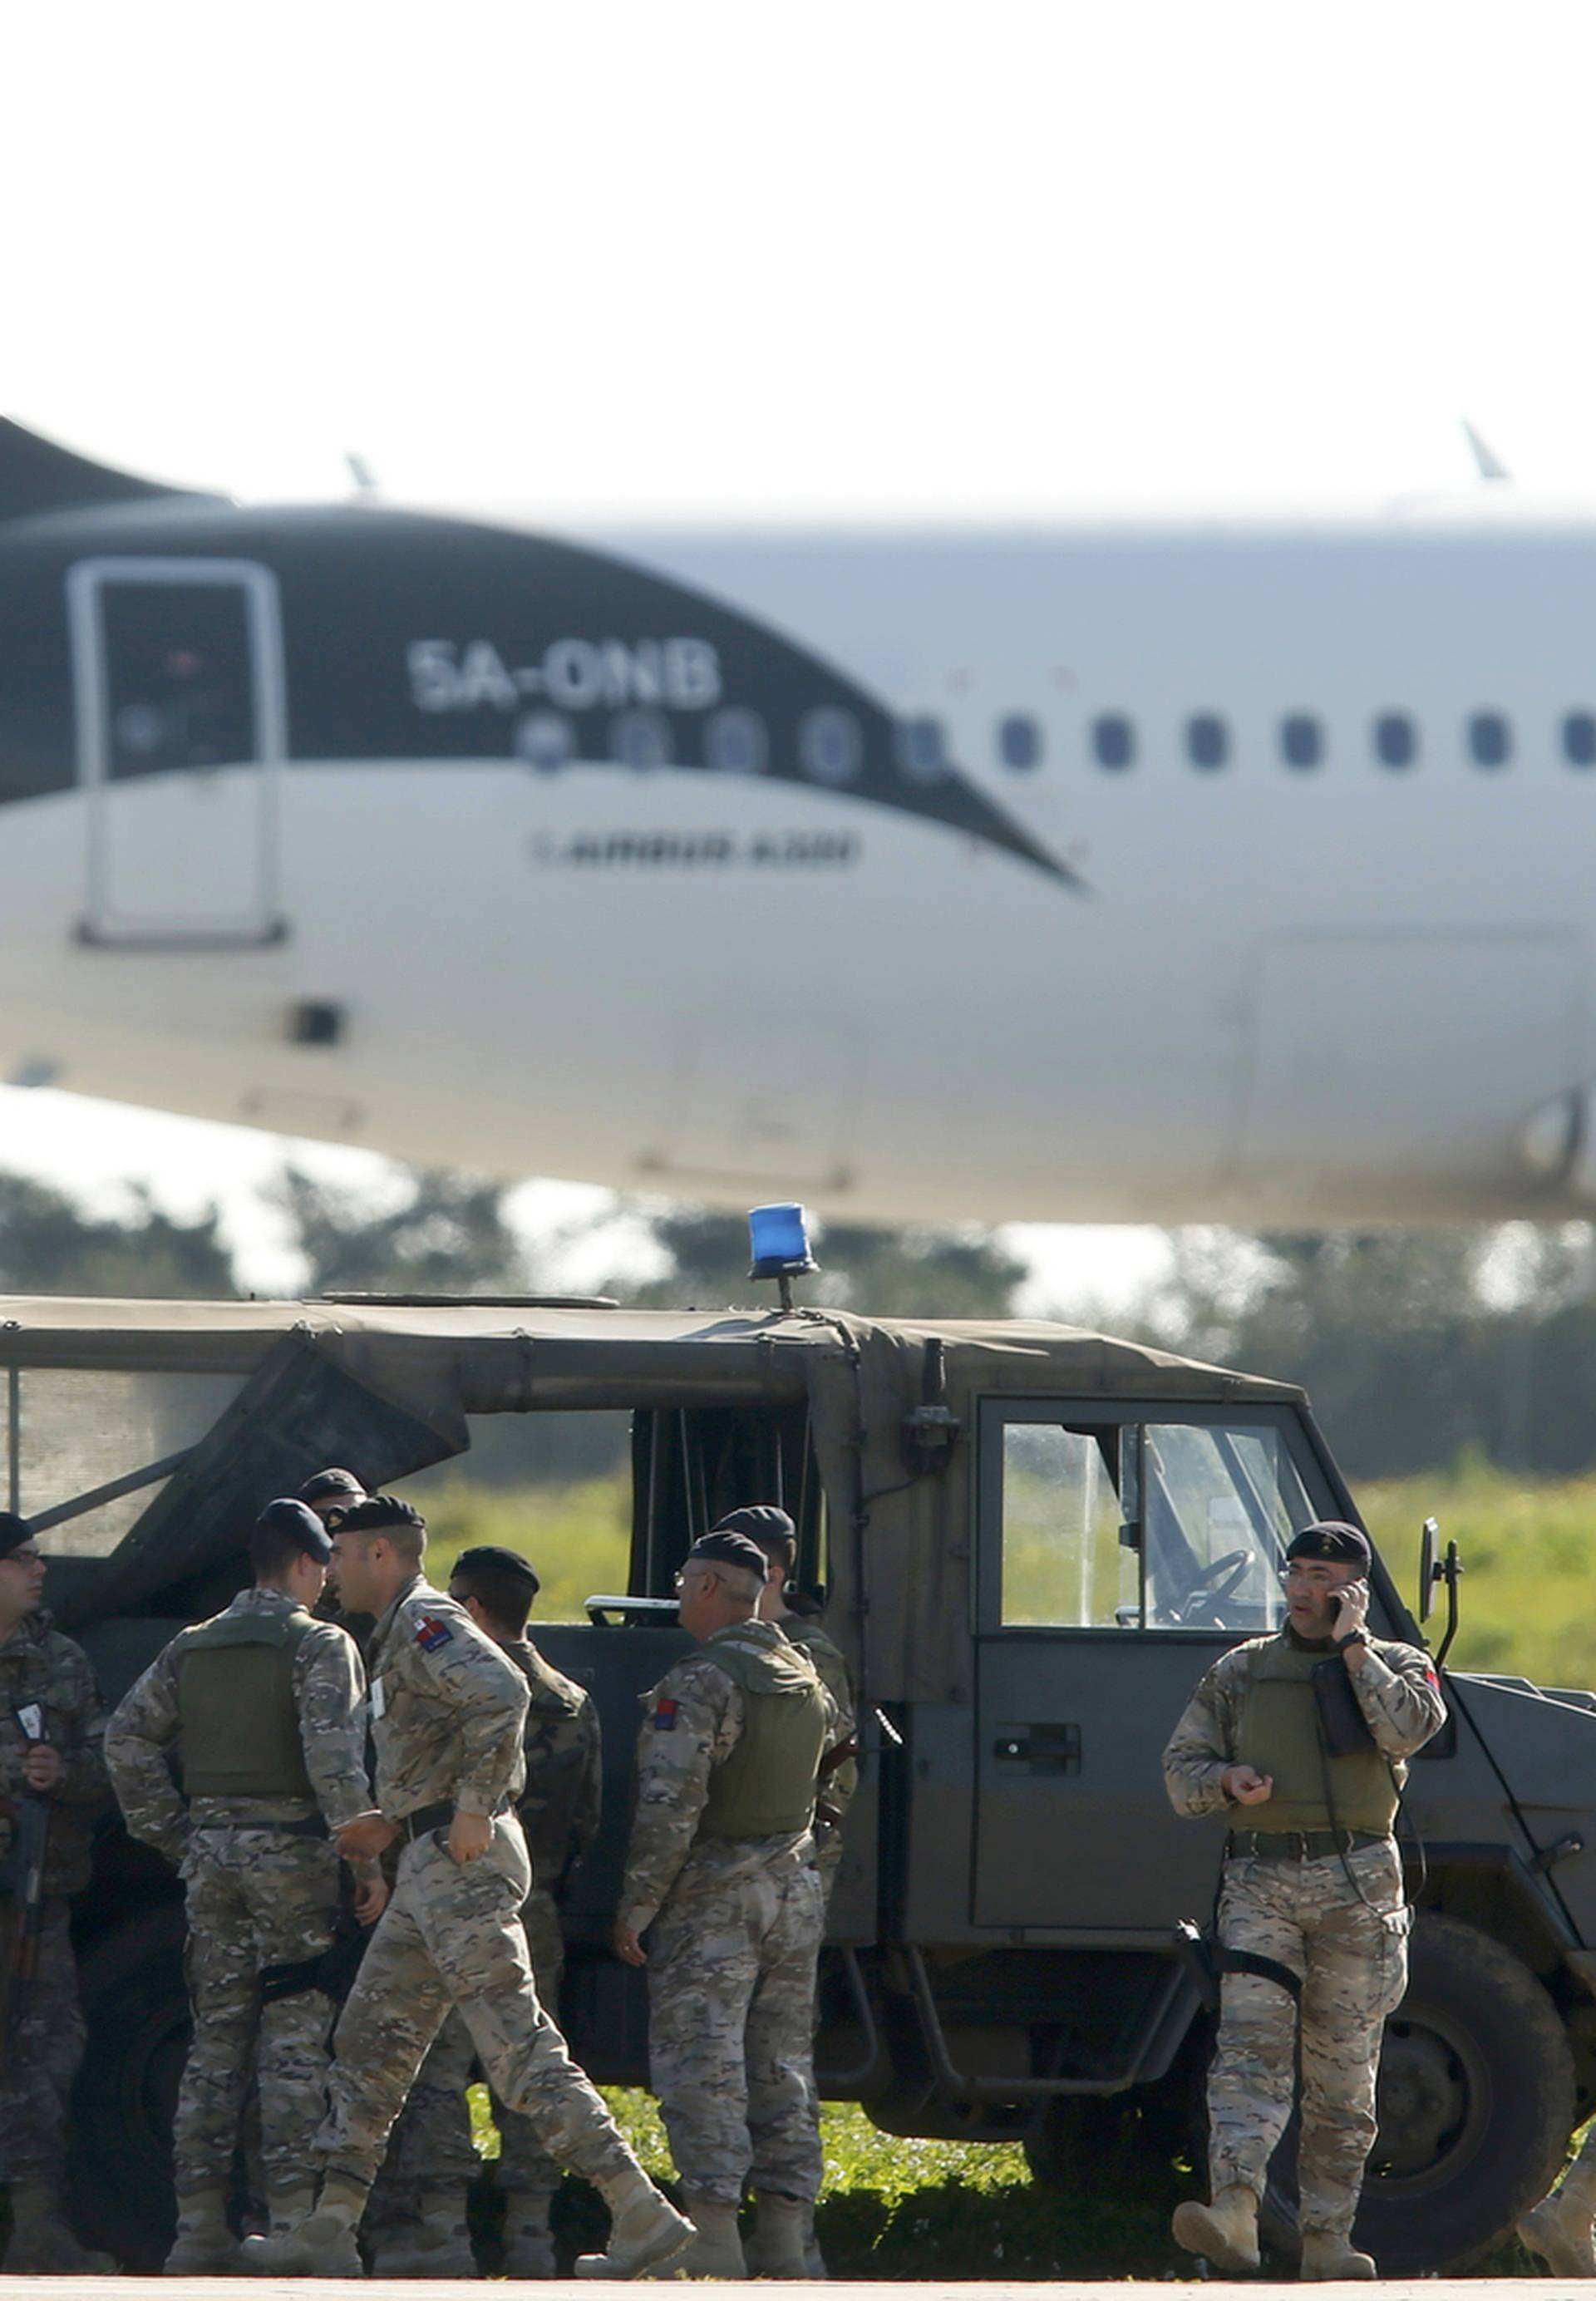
{"x": 330, "y": 1493}
{"x": 376, "y": 1547}
{"x": 22, "y": 1571}
{"x": 720, "y": 1583}
{"x": 288, "y": 1550}
{"x": 1320, "y": 1560}
{"x": 777, "y": 1537}
{"x": 496, "y": 1587}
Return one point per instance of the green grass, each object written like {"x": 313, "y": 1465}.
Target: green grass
{"x": 578, "y": 1537}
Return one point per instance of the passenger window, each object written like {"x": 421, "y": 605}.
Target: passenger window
{"x": 1019, "y": 742}
{"x": 1395, "y": 740}
{"x": 1208, "y": 740}
{"x": 830, "y": 747}
{"x": 1301, "y": 740}
{"x": 1113, "y": 740}
{"x": 544, "y": 740}
{"x": 735, "y": 742}
{"x": 922, "y": 750}
{"x": 1063, "y": 1563}
{"x": 1579, "y": 739}
{"x": 1490, "y": 743}
{"x": 640, "y": 738}
{"x": 1218, "y": 1506}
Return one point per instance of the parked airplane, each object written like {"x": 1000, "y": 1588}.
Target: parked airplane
{"x": 1130, "y": 872}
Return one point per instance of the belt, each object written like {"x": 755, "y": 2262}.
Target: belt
{"x": 1301, "y": 1844}
{"x": 439, "y": 1816}
{"x": 312, "y": 1826}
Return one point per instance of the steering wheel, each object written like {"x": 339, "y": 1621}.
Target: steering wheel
{"x": 1212, "y": 1587}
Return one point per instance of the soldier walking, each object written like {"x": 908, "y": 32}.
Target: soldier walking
{"x": 432, "y": 2157}
{"x": 1301, "y": 1740}
{"x": 52, "y": 1727}
{"x": 448, "y": 1710}
{"x": 721, "y": 1866}
{"x": 264, "y": 1707}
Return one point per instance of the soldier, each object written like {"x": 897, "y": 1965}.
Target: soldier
{"x": 448, "y": 1710}
{"x": 1303, "y": 1736}
{"x": 777, "y": 1537}
{"x": 330, "y": 1493}
{"x": 51, "y": 1729}
{"x": 264, "y": 1706}
{"x": 432, "y": 2157}
{"x": 720, "y": 1865}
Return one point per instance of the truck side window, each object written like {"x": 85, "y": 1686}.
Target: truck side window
{"x": 1219, "y": 1506}
{"x": 1062, "y": 1564}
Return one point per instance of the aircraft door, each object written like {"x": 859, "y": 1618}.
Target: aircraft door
{"x": 1117, "y": 1559}
{"x": 181, "y": 736}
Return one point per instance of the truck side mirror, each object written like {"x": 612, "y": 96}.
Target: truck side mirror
{"x": 1428, "y": 1573}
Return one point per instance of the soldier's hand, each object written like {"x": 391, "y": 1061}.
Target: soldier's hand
{"x": 627, "y": 1947}
{"x": 371, "y": 1898}
{"x": 364, "y": 1837}
{"x": 1244, "y": 1786}
{"x": 470, "y": 1836}
{"x": 41, "y": 1767}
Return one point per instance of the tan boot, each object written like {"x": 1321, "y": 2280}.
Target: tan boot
{"x": 814, "y": 2261}
{"x": 286, "y": 2208}
{"x": 323, "y": 2244}
{"x": 205, "y": 2246}
{"x": 645, "y": 2229}
{"x": 1225, "y": 2234}
{"x": 528, "y": 2243}
{"x": 1559, "y": 2230}
{"x": 437, "y": 2245}
{"x": 41, "y": 2244}
{"x": 782, "y": 2224}
{"x": 716, "y": 2249}
{"x": 1328, "y": 2259}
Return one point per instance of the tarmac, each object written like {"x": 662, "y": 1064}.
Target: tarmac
{"x": 296, "y": 2288}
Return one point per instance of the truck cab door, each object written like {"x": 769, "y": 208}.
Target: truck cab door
{"x": 1117, "y": 1557}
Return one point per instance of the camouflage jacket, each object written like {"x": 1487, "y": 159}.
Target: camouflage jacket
{"x": 836, "y": 1674}
{"x": 38, "y": 1664}
{"x": 560, "y": 1805}
{"x": 447, "y": 1708}
{"x": 706, "y": 1714}
{"x": 1398, "y": 1692}
{"x": 145, "y": 1738}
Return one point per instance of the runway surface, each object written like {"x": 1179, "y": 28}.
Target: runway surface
{"x": 300, "y": 2289}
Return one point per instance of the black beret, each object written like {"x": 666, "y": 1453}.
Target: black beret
{"x": 15, "y": 1532}
{"x": 501, "y": 1560}
{"x": 327, "y": 1483}
{"x": 762, "y": 1522}
{"x": 1332, "y": 1541}
{"x": 296, "y": 1522}
{"x": 375, "y": 1511}
{"x": 722, "y": 1548}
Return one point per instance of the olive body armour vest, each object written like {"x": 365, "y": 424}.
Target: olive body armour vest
{"x": 1280, "y": 1736}
{"x": 766, "y": 1787}
{"x": 236, "y": 1699}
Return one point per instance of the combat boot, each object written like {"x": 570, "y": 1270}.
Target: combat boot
{"x": 781, "y": 2223}
{"x": 1327, "y": 2258}
{"x": 205, "y": 2246}
{"x": 1559, "y": 2230}
{"x": 528, "y": 2244}
{"x": 41, "y": 2244}
{"x": 437, "y": 2245}
{"x": 645, "y": 2229}
{"x": 286, "y": 2208}
{"x": 323, "y": 2244}
{"x": 716, "y": 2249}
{"x": 1225, "y": 2234}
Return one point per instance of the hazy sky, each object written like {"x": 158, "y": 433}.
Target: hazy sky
{"x": 853, "y": 259}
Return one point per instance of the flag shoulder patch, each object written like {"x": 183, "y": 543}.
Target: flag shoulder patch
{"x": 430, "y": 1633}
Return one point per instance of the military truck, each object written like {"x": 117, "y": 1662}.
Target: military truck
{"x": 1032, "y": 1540}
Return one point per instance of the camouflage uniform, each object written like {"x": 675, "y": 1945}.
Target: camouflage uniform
{"x": 448, "y": 1710}
{"x": 1342, "y": 1927}
{"x": 262, "y": 1884}
{"x": 837, "y": 1788}
{"x": 737, "y": 1926}
{"x": 38, "y": 1665}
{"x": 431, "y": 2147}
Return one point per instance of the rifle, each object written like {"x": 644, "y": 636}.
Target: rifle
{"x": 22, "y": 1888}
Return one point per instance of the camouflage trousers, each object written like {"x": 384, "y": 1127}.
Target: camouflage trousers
{"x": 431, "y": 2147}
{"x": 1352, "y": 1956}
{"x": 256, "y": 1897}
{"x": 451, "y": 1936}
{"x": 732, "y": 2028}
{"x": 41, "y": 2060}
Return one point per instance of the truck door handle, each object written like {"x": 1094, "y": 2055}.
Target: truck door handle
{"x": 1041, "y": 1749}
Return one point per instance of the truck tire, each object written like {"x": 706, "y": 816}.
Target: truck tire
{"x": 137, "y": 2008}
{"x": 1475, "y": 2106}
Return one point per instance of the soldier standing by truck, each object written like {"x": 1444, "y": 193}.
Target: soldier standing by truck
{"x": 720, "y": 1865}
{"x": 52, "y": 1727}
{"x": 264, "y": 1706}
{"x": 431, "y": 2156}
{"x": 1302, "y": 1739}
{"x": 777, "y": 1537}
{"x": 448, "y": 1710}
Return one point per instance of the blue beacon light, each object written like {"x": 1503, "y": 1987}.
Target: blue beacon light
{"x": 779, "y": 1243}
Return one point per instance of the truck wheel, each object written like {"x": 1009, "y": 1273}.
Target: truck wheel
{"x": 137, "y": 2008}
{"x": 1476, "y": 2105}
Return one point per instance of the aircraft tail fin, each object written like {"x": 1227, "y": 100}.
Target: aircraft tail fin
{"x": 38, "y": 476}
